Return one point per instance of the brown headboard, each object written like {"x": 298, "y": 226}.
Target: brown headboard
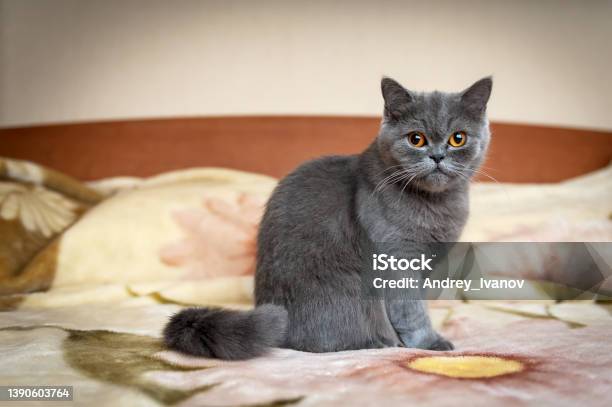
{"x": 275, "y": 145}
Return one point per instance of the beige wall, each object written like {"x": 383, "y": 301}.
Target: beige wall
{"x": 78, "y": 60}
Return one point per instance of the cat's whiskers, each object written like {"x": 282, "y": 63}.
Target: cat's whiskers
{"x": 388, "y": 168}
{"x": 394, "y": 177}
{"x": 475, "y": 170}
{"x": 461, "y": 171}
{"x": 416, "y": 170}
{"x": 381, "y": 184}
{"x": 406, "y": 184}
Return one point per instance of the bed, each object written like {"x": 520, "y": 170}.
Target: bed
{"x": 104, "y": 234}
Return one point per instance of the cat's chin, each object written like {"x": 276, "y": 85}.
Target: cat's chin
{"x": 436, "y": 181}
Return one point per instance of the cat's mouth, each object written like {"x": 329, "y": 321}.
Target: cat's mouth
{"x": 438, "y": 169}
{"x": 437, "y": 179}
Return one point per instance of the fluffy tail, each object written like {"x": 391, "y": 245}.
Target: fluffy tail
{"x": 227, "y": 334}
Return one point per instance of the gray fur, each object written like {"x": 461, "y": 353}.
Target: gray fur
{"x": 320, "y": 219}
{"x": 227, "y": 334}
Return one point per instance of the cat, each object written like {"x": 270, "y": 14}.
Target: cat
{"x": 409, "y": 185}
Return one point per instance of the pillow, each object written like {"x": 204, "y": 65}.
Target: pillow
{"x": 36, "y": 205}
{"x": 186, "y": 236}
{"x": 179, "y": 226}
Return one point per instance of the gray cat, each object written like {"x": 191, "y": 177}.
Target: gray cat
{"x": 409, "y": 185}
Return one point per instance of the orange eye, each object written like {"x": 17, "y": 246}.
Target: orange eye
{"x": 417, "y": 139}
{"x": 457, "y": 139}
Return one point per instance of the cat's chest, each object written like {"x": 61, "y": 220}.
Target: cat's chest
{"x": 417, "y": 221}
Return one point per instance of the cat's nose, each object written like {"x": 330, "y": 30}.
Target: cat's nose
{"x": 437, "y": 157}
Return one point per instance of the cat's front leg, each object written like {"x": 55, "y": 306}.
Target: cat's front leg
{"x": 410, "y": 320}
{"x": 406, "y": 307}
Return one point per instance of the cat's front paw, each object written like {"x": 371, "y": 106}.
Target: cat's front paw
{"x": 441, "y": 344}
{"x": 429, "y": 339}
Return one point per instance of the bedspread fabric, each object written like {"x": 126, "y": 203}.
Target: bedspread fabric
{"x": 90, "y": 273}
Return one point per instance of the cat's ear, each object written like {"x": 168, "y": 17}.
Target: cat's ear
{"x": 474, "y": 99}
{"x": 397, "y": 98}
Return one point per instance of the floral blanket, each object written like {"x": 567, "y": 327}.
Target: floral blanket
{"x": 89, "y": 273}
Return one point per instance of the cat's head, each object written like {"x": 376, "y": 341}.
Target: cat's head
{"x": 436, "y": 139}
